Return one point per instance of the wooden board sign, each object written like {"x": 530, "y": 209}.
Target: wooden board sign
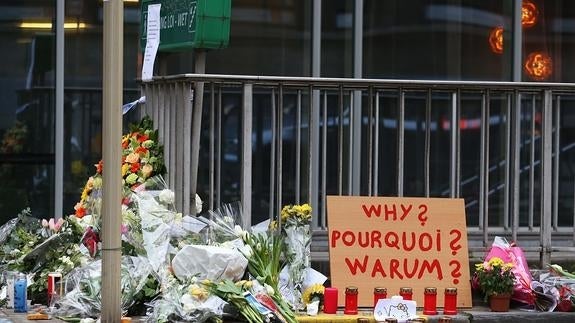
{"x": 396, "y": 242}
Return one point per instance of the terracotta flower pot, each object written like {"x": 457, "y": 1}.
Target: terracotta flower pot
{"x": 499, "y": 303}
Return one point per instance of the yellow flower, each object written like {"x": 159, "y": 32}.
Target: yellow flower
{"x": 198, "y": 292}
{"x": 147, "y": 170}
{"x": 313, "y": 292}
{"x": 125, "y": 169}
{"x": 496, "y": 262}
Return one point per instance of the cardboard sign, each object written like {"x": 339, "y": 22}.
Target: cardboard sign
{"x": 398, "y": 242}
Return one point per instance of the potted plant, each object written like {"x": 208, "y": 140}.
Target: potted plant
{"x": 496, "y": 280}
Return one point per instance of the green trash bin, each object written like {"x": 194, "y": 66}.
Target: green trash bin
{"x": 187, "y": 24}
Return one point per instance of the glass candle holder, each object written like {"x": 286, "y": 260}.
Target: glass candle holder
{"x": 379, "y": 293}
{"x": 430, "y": 301}
{"x": 406, "y": 293}
{"x": 330, "y": 300}
{"x": 350, "y": 300}
{"x": 450, "y": 301}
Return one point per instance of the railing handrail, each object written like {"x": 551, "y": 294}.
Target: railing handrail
{"x": 365, "y": 83}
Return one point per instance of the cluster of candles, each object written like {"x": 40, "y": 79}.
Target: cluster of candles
{"x": 429, "y": 301}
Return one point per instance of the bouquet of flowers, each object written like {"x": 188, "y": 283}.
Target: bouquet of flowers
{"x": 295, "y": 228}
{"x": 83, "y": 287}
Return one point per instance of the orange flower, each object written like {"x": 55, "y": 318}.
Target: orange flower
{"x": 80, "y": 210}
{"x": 99, "y": 166}
{"x": 142, "y": 138}
{"x": 142, "y": 150}
{"x": 132, "y": 158}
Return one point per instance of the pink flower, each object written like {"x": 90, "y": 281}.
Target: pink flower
{"x": 58, "y": 225}
{"x": 124, "y": 229}
{"x": 132, "y": 158}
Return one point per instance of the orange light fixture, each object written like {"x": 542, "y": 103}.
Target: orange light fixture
{"x": 529, "y": 14}
{"x": 538, "y": 66}
{"x": 496, "y": 40}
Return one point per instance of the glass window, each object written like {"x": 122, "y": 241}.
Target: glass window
{"x": 437, "y": 39}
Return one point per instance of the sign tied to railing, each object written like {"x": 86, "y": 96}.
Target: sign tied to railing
{"x": 398, "y": 242}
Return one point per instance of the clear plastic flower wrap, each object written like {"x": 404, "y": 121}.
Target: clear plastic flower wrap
{"x": 83, "y": 287}
{"x": 225, "y": 225}
{"x": 184, "y": 301}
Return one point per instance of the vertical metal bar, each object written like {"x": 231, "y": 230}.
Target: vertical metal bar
{"x": 272, "y": 155}
{"x": 174, "y": 108}
{"x": 159, "y": 122}
{"x": 212, "y": 145}
{"x": 180, "y": 147}
{"x": 59, "y": 113}
{"x": 427, "y": 157}
{"x": 507, "y": 191}
{"x": 166, "y": 139}
{"x": 324, "y": 157}
{"x": 370, "y": 143}
{"x": 546, "y": 177}
{"x": 357, "y": 95}
{"x": 557, "y": 150}
{"x": 192, "y": 145}
{"x": 400, "y": 142}
{"x": 515, "y": 163}
{"x": 340, "y": 139}
{"x": 453, "y": 146}
{"x": 113, "y": 66}
{"x": 484, "y": 166}
{"x": 517, "y": 41}
{"x": 316, "y": 40}
{"x": 350, "y": 143}
{"x": 457, "y": 130}
{"x": 298, "y": 148}
{"x": 219, "y": 149}
{"x": 280, "y": 149}
{"x": 313, "y": 152}
{"x": 532, "y": 165}
{"x": 246, "y": 190}
{"x": 376, "y": 148}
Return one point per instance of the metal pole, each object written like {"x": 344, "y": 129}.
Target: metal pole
{"x": 517, "y": 41}
{"x": 200, "y": 68}
{"x": 112, "y": 150}
{"x": 59, "y": 122}
{"x": 357, "y": 73}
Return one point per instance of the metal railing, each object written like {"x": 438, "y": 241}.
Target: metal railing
{"x": 268, "y": 141}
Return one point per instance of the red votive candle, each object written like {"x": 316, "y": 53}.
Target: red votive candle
{"x": 330, "y": 300}
{"x": 379, "y": 293}
{"x": 406, "y": 293}
{"x": 430, "y": 301}
{"x": 450, "y": 301}
{"x": 350, "y": 300}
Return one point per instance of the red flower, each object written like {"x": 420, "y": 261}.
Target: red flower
{"x": 135, "y": 167}
{"x": 99, "y": 166}
{"x": 141, "y": 150}
{"x": 80, "y": 212}
{"x": 142, "y": 138}
{"x": 125, "y": 143}
{"x": 90, "y": 240}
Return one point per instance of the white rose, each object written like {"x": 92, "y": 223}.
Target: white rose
{"x": 167, "y": 196}
{"x": 198, "y": 204}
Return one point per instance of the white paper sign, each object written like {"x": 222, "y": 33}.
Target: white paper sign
{"x": 152, "y": 41}
{"x": 395, "y": 307}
